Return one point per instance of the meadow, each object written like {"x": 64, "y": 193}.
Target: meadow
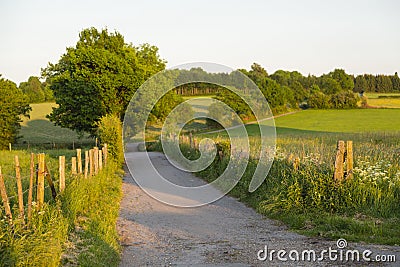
{"x": 38, "y": 130}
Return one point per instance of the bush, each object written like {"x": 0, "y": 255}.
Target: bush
{"x": 110, "y": 133}
{"x": 318, "y": 100}
{"x": 344, "y": 100}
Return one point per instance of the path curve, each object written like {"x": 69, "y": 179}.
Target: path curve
{"x": 223, "y": 233}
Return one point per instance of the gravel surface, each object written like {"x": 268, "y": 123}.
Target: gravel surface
{"x": 224, "y": 233}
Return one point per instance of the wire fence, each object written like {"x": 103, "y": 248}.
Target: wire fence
{"x": 41, "y": 179}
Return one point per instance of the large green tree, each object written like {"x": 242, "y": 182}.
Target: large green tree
{"x": 98, "y": 77}
{"x": 13, "y": 105}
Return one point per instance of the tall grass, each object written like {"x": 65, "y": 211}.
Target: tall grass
{"x": 76, "y": 229}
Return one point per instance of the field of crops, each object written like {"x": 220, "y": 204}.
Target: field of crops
{"x": 388, "y": 100}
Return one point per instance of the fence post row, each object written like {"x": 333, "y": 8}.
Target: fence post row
{"x": 93, "y": 164}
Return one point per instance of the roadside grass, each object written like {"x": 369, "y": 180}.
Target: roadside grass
{"x": 75, "y": 229}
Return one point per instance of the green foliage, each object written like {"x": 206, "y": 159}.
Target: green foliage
{"x": 110, "y": 133}
{"x": 98, "y": 77}
{"x": 318, "y": 100}
{"x": 346, "y": 81}
{"x": 234, "y": 101}
{"x": 13, "y": 105}
{"x": 36, "y": 91}
{"x": 344, "y": 100}
{"x": 377, "y": 83}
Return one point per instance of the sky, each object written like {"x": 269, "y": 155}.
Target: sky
{"x": 312, "y": 37}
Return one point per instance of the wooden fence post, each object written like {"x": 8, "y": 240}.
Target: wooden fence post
{"x": 339, "y": 173}
{"x": 47, "y": 175}
{"x": 79, "y": 158}
{"x": 96, "y": 160}
{"x": 86, "y": 163}
{"x": 5, "y": 198}
{"x": 61, "y": 169}
{"x": 91, "y": 163}
{"x": 73, "y": 167}
{"x": 194, "y": 143}
{"x": 105, "y": 152}
{"x": 191, "y": 140}
{"x": 31, "y": 177}
{"x": 40, "y": 182}
{"x": 349, "y": 159}
{"x": 19, "y": 188}
{"x": 100, "y": 159}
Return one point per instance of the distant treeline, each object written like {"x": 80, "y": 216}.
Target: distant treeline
{"x": 286, "y": 89}
{"x": 377, "y": 83}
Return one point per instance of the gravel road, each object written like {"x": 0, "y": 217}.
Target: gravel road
{"x": 224, "y": 233}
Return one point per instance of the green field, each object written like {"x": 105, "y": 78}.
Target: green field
{"x": 340, "y": 121}
{"x": 39, "y": 130}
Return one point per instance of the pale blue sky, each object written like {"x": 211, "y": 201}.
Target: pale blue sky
{"x": 308, "y": 36}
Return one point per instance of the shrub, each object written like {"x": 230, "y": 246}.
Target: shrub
{"x": 110, "y": 133}
{"x": 344, "y": 100}
{"x": 318, "y": 100}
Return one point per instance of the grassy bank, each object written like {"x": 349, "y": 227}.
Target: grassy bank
{"x": 75, "y": 229}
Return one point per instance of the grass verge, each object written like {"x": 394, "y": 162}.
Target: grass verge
{"x": 75, "y": 229}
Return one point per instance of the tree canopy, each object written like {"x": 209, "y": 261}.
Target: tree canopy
{"x": 36, "y": 91}
{"x": 98, "y": 77}
{"x": 13, "y": 105}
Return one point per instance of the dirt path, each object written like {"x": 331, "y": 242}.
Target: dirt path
{"x": 224, "y": 233}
